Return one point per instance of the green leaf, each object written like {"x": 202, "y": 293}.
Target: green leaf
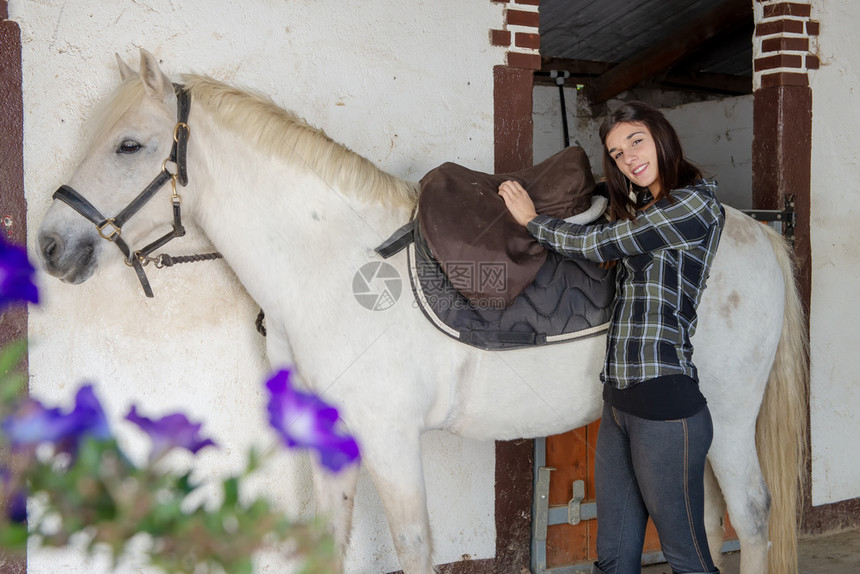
{"x": 90, "y": 456}
{"x": 231, "y": 492}
{"x": 185, "y": 485}
{"x": 11, "y": 355}
{"x": 13, "y": 536}
{"x": 12, "y": 382}
{"x": 255, "y": 460}
{"x": 162, "y": 517}
{"x": 258, "y": 508}
{"x": 241, "y": 566}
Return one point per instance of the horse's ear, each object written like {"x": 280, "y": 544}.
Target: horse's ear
{"x": 125, "y": 71}
{"x": 154, "y": 81}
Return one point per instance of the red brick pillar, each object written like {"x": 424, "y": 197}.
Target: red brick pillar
{"x": 514, "y": 133}
{"x": 513, "y": 84}
{"x": 785, "y": 49}
{"x": 13, "y": 209}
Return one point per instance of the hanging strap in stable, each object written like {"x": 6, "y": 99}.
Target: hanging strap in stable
{"x": 398, "y": 240}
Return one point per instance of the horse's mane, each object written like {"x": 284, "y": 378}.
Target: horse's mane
{"x": 281, "y": 132}
{"x": 275, "y": 130}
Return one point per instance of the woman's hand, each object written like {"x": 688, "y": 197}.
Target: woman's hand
{"x": 518, "y": 202}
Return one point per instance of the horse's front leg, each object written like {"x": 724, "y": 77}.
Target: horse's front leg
{"x": 393, "y": 460}
{"x": 334, "y": 495}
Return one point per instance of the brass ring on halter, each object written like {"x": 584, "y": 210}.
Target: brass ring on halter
{"x": 143, "y": 259}
{"x": 173, "y": 174}
{"x": 179, "y": 125}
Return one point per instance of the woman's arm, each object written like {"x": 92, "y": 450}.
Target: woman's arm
{"x": 677, "y": 223}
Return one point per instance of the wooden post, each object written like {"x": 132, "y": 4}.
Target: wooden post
{"x": 13, "y": 207}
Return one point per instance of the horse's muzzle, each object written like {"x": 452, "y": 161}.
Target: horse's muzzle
{"x": 71, "y": 266}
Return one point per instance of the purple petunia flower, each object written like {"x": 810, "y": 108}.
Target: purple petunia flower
{"x": 16, "y": 506}
{"x": 33, "y": 424}
{"x": 90, "y": 414}
{"x": 16, "y": 275}
{"x": 305, "y": 421}
{"x": 14, "y": 499}
{"x": 169, "y": 432}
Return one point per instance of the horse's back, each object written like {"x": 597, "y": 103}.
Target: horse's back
{"x": 740, "y": 318}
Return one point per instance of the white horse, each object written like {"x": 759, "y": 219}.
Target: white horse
{"x": 296, "y": 215}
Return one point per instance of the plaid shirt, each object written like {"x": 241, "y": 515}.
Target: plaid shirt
{"x": 665, "y": 256}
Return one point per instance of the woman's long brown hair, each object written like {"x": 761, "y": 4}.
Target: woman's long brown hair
{"x": 673, "y": 168}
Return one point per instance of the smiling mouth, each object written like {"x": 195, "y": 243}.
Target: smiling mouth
{"x": 640, "y": 169}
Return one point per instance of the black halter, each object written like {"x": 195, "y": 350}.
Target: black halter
{"x": 111, "y": 228}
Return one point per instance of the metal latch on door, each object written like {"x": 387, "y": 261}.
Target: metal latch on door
{"x": 786, "y": 218}
{"x": 573, "y": 513}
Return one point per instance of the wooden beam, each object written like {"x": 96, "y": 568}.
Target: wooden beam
{"x": 575, "y": 67}
{"x": 718, "y": 83}
{"x": 668, "y": 51}
{"x": 586, "y": 72}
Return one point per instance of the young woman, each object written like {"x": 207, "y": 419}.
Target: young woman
{"x": 656, "y": 428}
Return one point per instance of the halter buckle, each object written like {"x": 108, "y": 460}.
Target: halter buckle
{"x": 113, "y": 231}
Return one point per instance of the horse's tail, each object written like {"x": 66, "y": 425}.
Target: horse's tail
{"x": 781, "y": 428}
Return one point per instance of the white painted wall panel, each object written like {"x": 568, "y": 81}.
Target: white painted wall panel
{"x": 835, "y": 239}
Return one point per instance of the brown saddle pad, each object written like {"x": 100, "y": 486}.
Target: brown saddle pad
{"x": 487, "y": 256}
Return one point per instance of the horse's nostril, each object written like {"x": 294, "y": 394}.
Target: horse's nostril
{"x": 52, "y": 248}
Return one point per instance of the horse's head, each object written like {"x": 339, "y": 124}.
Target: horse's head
{"x": 132, "y": 137}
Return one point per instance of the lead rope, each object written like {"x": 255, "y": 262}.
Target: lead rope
{"x": 165, "y": 260}
{"x": 261, "y": 327}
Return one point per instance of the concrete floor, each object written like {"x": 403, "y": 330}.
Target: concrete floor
{"x": 831, "y": 553}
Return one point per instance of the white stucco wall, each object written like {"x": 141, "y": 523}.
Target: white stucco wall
{"x": 407, "y": 84}
{"x": 716, "y": 136}
{"x": 835, "y": 236}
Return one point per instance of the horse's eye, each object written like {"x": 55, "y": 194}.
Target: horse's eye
{"x": 128, "y": 146}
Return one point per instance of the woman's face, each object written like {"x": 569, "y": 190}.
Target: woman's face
{"x": 635, "y": 154}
